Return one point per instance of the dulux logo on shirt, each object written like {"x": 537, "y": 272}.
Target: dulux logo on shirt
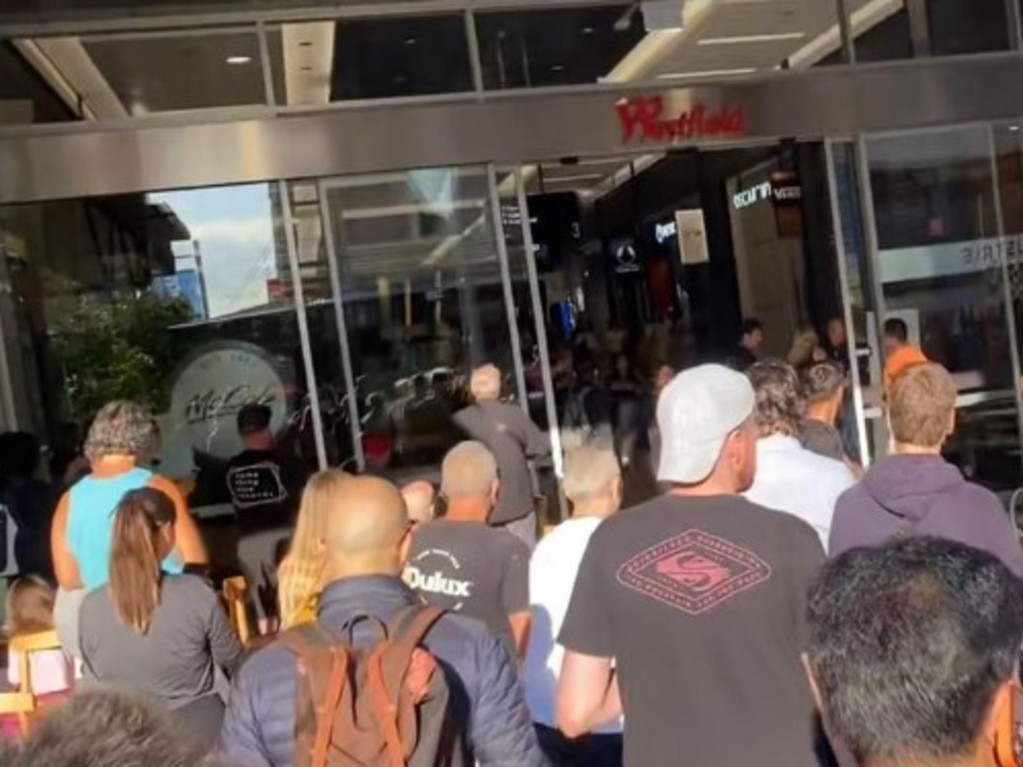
{"x": 431, "y": 572}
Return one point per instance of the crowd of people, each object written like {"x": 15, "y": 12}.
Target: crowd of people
{"x": 774, "y": 602}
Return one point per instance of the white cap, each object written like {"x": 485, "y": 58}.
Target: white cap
{"x": 696, "y": 412}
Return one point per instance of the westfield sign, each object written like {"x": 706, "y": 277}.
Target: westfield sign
{"x": 644, "y": 119}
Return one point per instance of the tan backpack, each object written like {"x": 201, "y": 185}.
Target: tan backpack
{"x": 384, "y": 704}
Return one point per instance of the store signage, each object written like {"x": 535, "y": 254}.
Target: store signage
{"x": 626, "y": 258}
{"x": 692, "y": 243}
{"x": 645, "y": 120}
{"x": 751, "y": 196}
{"x": 215, "y": 384}
{"x": 784, "y": 189}
{"x": 665, "y": 231}
{"x": 947, "y": 259}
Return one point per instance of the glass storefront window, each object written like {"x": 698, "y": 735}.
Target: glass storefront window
{"x": 176, "y": 299}
{"x": 317, "y": 62}
{"x": 420, "y": 278}
{"x": 938, "y": 225}
{"x": 559, "y": 46}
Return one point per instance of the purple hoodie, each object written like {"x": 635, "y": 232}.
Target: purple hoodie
{"x": 923, "y": 495}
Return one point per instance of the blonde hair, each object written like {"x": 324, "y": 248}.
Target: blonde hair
{"x": 302, "y": 572}
{"x": 588, "y": 472}
{"x": 122, "y": 428}
{"x": 804, "y": 342}
{"x": 485, "y": 383}
{"x": 920, "y": 405}
{"x": 135, "y": 566}
{"x": 29, "y": 606}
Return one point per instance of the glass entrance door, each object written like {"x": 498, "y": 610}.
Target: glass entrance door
{"x": 939, "y": 261}
{"x": 417, "y": 281}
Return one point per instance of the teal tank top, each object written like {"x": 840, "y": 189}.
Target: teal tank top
{"x": 90, "y": 525}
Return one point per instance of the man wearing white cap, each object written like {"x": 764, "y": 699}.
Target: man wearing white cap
{"x": 688, "y": 611}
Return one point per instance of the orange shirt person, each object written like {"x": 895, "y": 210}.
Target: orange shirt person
{"x": 899, "y": 353}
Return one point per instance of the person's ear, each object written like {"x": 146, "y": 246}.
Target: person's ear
{"x": 813, "y": 682}
{"x": 405, "y": 546}
{"x": 999, "y": 728}
{"x": 495, "y": 489}
{"x": 951, "y": 424}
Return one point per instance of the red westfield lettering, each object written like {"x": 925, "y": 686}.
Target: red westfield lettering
{"x": 643, "y": 120}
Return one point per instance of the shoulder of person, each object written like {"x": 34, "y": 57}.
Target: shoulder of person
{"x": 189, "y": 586}
{"x": 453, "y": 634}
{"x": 786, "y": 525}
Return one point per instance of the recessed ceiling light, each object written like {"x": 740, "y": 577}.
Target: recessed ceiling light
{"x": 588, "y": 30}
{"x": 410, "y": 41}
{"x": 752, "y": 39}
{"x": 239, "y": 59}
{"x": 557, "y": 67}
{"x": 707, "y": 73}
{"x": 1014, "y": 128}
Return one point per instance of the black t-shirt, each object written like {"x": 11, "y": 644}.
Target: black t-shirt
{"x": 265, "y": 489}
{"x": 472, "y": 569}
{"x": 701, "y": 602}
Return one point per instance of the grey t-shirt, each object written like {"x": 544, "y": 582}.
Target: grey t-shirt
{"x": 822, "y": 438}
{"x": 512, "y": 437}
{"x": 701, "y": 603}
{"x": 472, "y": 569}
{"x": 174, "y": 660}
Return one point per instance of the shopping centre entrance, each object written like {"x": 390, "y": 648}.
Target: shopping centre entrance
{"x": 349, "y": 267}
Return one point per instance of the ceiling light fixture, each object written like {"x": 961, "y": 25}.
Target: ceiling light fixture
{"x": 588, "y": 30}
{"x": 238, "y": 60}
{"x": 707, "y": 73}
{"x": 740, "y": 40}
{"x": 557, "y": 67}
{"x": 1014, "y": 128}
{"x": 410, "y": 41}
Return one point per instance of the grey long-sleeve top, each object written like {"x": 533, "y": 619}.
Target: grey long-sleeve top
{"x": 174, "y": 660}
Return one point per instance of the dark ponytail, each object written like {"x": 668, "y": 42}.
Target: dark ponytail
{"x": 134, "y": 555}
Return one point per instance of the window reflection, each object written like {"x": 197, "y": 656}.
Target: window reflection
{"x": 423, "y": 304}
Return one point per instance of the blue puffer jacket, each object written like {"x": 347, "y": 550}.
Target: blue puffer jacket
{"x": 259, "y": 724}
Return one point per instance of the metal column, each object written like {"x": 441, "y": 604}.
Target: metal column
{"x": 351, "y": 388}
{"x": 303, "y": 323}
{"x": 506, "y": 284}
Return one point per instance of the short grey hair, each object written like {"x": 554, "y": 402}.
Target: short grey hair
{"x": 469, "y": 470}
{"x": 588, "y": 472}
{"x": 485, "y": 383}
{"x": 122, "y": 428}
{"x": 109, "y": 728}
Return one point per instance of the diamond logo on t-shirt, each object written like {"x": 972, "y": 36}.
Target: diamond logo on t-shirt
{"x": 693, "y": 572}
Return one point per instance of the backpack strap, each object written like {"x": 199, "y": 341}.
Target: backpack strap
{"x": 324, "y": 659}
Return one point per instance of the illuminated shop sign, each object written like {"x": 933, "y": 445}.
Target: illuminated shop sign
{"x": 665, "y": 231}
{"x": 645, "y": 120}
{"x": 782, "y": 189}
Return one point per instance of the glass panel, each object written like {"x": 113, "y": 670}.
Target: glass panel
{"x": 322, "y": 61}
{"x": 179, "y": 300}
{"x": 561, "y": 46}
{"x": 110, "y": 77}
{"x": 324, "y": 334}
{"x": 950, "y": 27}
{"x": 862, "y": 428}
{"x": 744, "y": 37}
{"x": 423, "y": 305}
{"x": 938, "y": 263}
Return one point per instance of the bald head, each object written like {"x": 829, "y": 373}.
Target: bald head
{"x": 366, "y": 528}
{"x": 419, "y": 498}
{"x": 469, "y": 481}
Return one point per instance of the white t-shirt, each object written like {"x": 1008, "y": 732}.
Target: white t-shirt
{"x": 552, "y": 571}
{"x": 51, "y": 671}
{"x": 792, "y": 479}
